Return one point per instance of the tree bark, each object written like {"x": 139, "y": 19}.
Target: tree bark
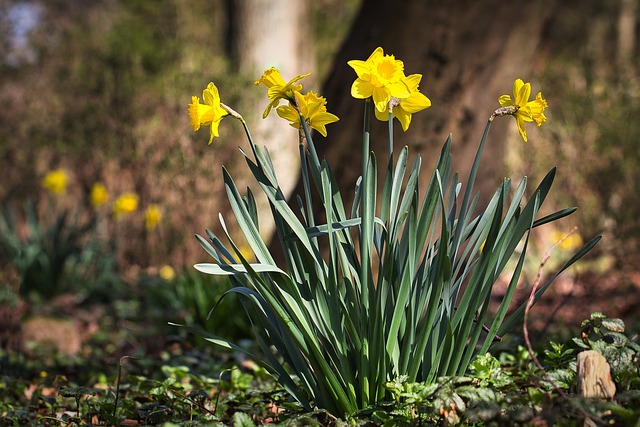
{"x": 270, "y": 33}
{"x": 469, "y": 54}
{"x": 626, "y": 37}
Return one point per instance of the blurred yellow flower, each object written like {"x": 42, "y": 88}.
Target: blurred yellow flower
{"x": 167, "y": 273}
{"x": 525, "y": 110}
{"x": 278, "y": 88}
{"x": 125, "y": 204}
{"x": 246, "y": 252}
{"x": 567, "y": 242}
{"x": 415, "y": 102}
{"x": 98, "y": 195}
{"x": 381, "y": 77}
{"x": 152, "y": 217}
{"x": 313, "y": 109}
{"x": 55, "y": 182}
{"x": 208, "y": 114}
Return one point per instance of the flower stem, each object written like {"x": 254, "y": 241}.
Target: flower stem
{"x": 233, "y": 113}
{"x": 305, "y": 178}
{"x": 366, "y": 132}
{"x": 390, "y": 148}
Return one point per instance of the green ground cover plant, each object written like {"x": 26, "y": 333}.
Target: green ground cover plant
{"x": 182, "y": 387}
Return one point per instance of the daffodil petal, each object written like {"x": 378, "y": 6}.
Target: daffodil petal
{"x": 324, "y": 119}
{"x": 289, "y": 113}
{"x": 322, "y": 130}
{"x": 211, "y": 95}
{"x": 517, "y": 85}
{"x": 383, "y": 116}
{"x": 321, "y": 120}
{"x": 360, "y": 67}
{"x": 521, "y": 129}
{"x": 381, "y": 98}
{"x": 413, "y": 81}
{"x": 399, "y": 90}
{"x": 522, "y": 96}
{"x": 298, "y": 77}
{"x": 403, "y": 116}
{"x": 505, "y": 101}
{"x": 414, "y": 103}
{"x": 361, "y": 89}
{"x": 377, "y": 53}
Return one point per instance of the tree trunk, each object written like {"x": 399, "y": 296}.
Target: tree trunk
{"x": 469, "y": 54}
{"x": 626, "y": 37}
{"x": 272, "y": 33}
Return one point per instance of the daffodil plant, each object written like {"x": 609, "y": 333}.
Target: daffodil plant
{"x": 405, "y": 285}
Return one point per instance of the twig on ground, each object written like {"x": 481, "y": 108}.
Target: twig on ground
{"x": 115, "y": 404}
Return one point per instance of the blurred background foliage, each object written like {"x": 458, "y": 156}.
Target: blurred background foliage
{"x": 590, "y": 72}
{"x": 100, "y": 89}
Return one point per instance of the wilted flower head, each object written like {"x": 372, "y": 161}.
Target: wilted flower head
{"x": 521, "y": 108}
{"x": 313, "y": 109}
{"x": 208, "y": 114}
{"x": 98, "y": 195}
{"x": 152, "y": 217}
{"x": 125, "y": 204}
{"x": 381, "y": 77}
{"x": 278, "y": 88}
{"x": 55, "y": 182}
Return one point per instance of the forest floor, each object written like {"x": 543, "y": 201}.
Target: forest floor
{"x": 40, "y": 384}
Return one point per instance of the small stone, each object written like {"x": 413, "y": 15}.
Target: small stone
{"x": 594, "y": 376}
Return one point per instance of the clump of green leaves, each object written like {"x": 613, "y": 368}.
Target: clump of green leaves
{"x": 53, "y": 254}
{"x": 486, "y": 370}
{"x": 43, "y": 254}
{"x": 404, "y": 287}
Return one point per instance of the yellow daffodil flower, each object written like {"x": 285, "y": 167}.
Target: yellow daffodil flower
{"x": 381, "y": 77}
{"x": 208, "y": 114}
{"x": 125, "y": 204}
{"x": 246, "y": 252}
{"x": 524, "y": 110}
{"x": 278, "y": 88}
{"x": 313, "y": 109}
{"x": 98, "y": 195}
{"x": 55, "y": 181}
{"x": 415, "y": 102}
{"x": 152, "y": 217}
